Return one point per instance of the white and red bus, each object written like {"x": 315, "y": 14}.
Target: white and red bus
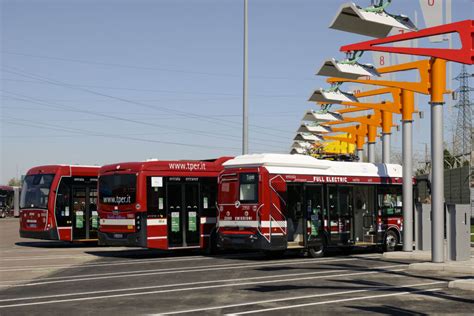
{"x": 275, "y": 202}
{"x": 59, "y": 202}
{"x": 159, "y": 204}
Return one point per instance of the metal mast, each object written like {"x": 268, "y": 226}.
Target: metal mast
{"x": 462, "y": 146}
{"x": 245, "y": 115}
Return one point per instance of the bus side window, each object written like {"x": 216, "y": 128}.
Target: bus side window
{"x": 155, "y": 200}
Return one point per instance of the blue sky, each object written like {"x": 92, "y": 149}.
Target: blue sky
{"x": 96, "y": 82}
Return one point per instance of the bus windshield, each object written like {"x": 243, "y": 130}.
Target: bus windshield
{"x": 35, "y": 191}
{"x": 118, "y": 189}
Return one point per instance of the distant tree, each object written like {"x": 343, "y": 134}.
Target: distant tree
{"x": 14, "y": 182}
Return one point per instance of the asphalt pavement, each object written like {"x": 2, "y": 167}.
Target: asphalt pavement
{"x": 82, "y": 279}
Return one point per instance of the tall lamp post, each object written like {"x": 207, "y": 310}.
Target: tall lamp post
{"x": 245, "y": 114}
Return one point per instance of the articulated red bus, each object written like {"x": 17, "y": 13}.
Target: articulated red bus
{"x": 274, "y": 202}
{"x": 159, "y": 204}
{"x": 58, "y": 202}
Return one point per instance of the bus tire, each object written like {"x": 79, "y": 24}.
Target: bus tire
{"x": 319, "y": 251}
{"x": 390, "y": 241}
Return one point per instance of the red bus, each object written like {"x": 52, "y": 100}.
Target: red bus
{"x": 59, "y": 202}
{"x": 275, "y": 202}
{"x": 159, "y": 204}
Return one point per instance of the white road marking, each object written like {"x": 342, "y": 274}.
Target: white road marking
{"x": 88, "y": 298}
{"x": 335, "y": 301}
{"x": 170, "y": 285}
{"x": 376, "y": 288}
{"x": 29, "y": 258}
{"x": 141, "y": 273}
{"x": 105, "y": 264}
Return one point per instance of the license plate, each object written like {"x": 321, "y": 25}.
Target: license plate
{"x": 118, "y": 236}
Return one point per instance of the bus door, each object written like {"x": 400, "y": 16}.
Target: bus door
{"x": 84, "y": 212}
{"x": 79, "y": 210}
{"x": 183, "y": 214}
{"x": 314, "y": 215}
{"x": 364, "y": 227}
{"x": 295, "y": 223}
{"x": 340, "y": 213}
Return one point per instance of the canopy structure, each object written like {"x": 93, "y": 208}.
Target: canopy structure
{"x": 311, "y": 128}
{"x": 333, "y": 68}
{"x": 318, "y": 116}
{"x": 302, "y": 144}
{"x": 336, "y": 96}
{"x": 297, "y": 150}
{"x": 307, "y": 137}
{"x": 354, "y": 19}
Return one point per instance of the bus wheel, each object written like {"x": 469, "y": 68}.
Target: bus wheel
{"x": 391, "y": 241}
{"x": 317, "y": 252}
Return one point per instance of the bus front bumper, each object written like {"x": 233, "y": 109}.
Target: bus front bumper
{"x": 50, "y": 234}
{"x": 123, "y": 239}
{"x": 250, "y": 242}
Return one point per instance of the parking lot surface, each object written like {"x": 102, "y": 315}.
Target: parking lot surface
{"x": 47, "y": 277}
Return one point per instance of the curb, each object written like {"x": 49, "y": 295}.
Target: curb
{"x": 466, "y": 268}
{"x": 467, "y": 285}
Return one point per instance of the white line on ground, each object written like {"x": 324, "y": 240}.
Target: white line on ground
{"x": 143, "y": 273}
{"x": 88, "y": 298}
{"x": 106, "y": 264}
{"x": 372, "y": 288}
{"x": 29, "y": 258}
{"x": 335, "y": 301}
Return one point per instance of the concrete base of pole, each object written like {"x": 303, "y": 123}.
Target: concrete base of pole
{"x": 437, "y": 182}
{"x": 386, "y": 148}
{"x": 407, "y": 152}
{"x": 371, "y": 152}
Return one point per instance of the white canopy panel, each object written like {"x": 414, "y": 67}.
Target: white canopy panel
{"x": 302, "y": 144}
{"x": 332, "y": 96}
{"x": 354, "y": 19}
{"x": 307, "y": 137}
{"x": 333, "y": 68}
{"x": 315, "y": 116}
{"x": 308, "y": 128}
